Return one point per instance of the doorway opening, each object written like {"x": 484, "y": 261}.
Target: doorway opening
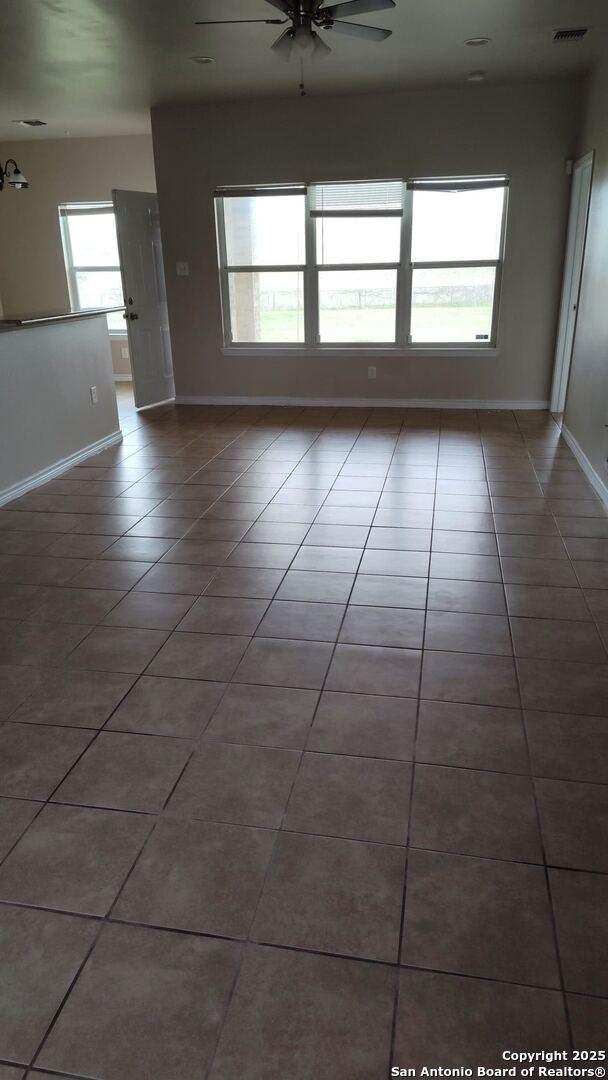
{"x": 92, "y": 262}
{"x": 571, "y": 285}
{"x": 113, "y": 259}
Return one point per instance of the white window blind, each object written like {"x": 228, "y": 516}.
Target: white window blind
{"x": 472, "y": 184}
{"x": 256, "y": 192}
{"x": 381, "y": 196}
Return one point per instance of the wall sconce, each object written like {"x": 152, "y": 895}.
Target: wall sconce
{"x": 11, "y": 174}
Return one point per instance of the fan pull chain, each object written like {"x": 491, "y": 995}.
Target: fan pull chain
{"x": 302, "y": 87}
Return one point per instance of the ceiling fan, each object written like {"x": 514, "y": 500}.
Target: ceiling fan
{"x": 309, "y": 16}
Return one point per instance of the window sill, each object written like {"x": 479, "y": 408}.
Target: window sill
{"x": 453, "y": 352}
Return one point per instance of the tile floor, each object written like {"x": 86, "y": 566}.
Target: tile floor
{"x": 303, "y": 748}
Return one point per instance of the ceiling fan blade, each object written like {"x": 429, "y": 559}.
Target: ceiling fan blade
{"x": 370, "y": 33}
{"x": 319, "y": 50}
{"x": 284, "y": 44}
{"x": 357, "y": 7}
{"x": 282, "y": 5}
{"x": 228, "y": 22}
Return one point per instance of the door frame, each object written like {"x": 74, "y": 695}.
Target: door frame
{"x": 578, "y": 220}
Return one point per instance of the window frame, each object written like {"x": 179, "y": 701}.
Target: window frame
{"x": 66, "y": 211}
{"x": 226, "y": 268}
{"x": 318, "y": 268}
{"x": 405, "y": 268}
{"x": 463, "y": 183}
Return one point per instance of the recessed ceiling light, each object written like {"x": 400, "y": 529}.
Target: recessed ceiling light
{"x": 476, "y": 76}
{"x": 477, "y": 41}
{"x": 203, "y": 59}
{"x": 30, "y": 123}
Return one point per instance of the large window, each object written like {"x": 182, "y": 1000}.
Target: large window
{"x": 457, "y": 234}
{"x": 410, "y": 264}
{"x": 91, "y": 258}
{"x": 357, "y": 243}
{"x": 263, "y": 262}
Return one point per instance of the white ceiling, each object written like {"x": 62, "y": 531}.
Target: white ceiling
{"x": 94, "y": 67}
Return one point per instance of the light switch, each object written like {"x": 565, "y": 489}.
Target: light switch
{"x": 182, "y": 269}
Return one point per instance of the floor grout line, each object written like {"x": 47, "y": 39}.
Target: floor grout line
{"x": 401, "y": 937}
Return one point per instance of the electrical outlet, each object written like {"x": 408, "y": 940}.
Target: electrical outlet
{"x": 182, "y": 269}
{"x": 371, "y": 371}
{"x": 124, "y": 352}
{"x": 94, "y": 395}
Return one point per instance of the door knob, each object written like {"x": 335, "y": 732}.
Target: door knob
{"x": 133, "y": 315}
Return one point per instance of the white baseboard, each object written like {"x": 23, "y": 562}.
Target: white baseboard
{"x": 593, "y": 477}
{"x": 123, "y": 378}
{"x": 361, "y": 403}
{"x": 59, "y": 467}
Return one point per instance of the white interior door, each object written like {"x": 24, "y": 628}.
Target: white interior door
{"x": 143, "y": 282}
{"x": 573, "y": 268}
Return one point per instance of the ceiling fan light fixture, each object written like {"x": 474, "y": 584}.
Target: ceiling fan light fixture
{"x": 305, "y": 17}
{"x": 303, "y": 40}
{"x": 319, "y": 49}
{"x": 283, "y": 46}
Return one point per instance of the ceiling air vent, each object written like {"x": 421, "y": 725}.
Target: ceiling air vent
{"x": 570, "y": 33}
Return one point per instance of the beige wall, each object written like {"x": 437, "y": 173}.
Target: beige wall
{"x": 32, "y": 269}
{"x": 525, "y": 131}
{"x": 121, "y": 365}
{"x": 46, "y": 412}
{"x": 586, "y": 411}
